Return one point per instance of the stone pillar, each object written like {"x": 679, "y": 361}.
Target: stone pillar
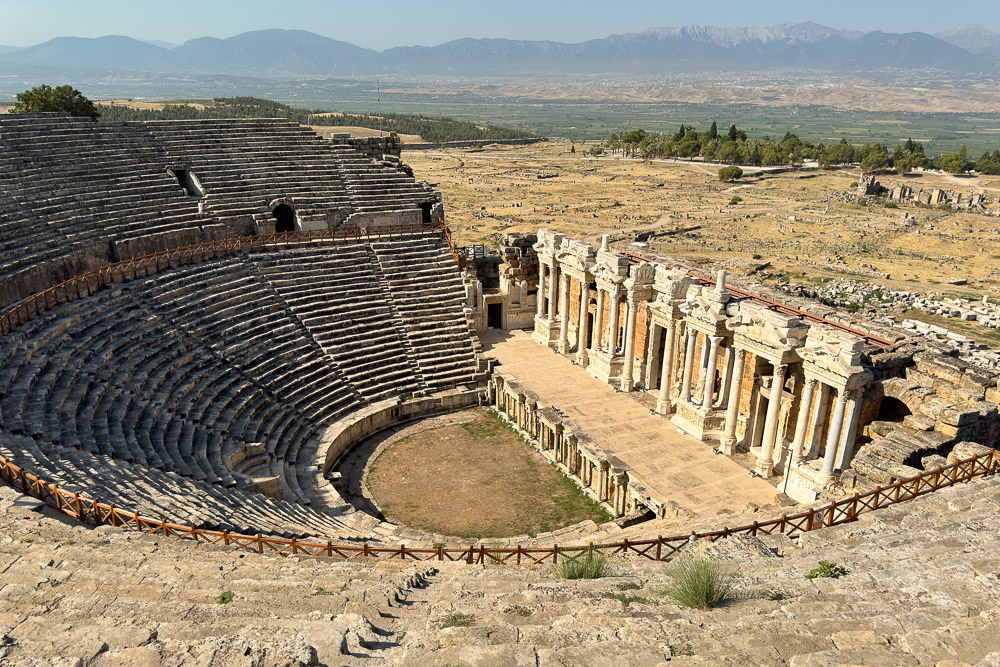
{"x": 727, "y": 377}
{"x": 802, "y": 423}
{"x": 733, "y": 405}
{"x": 765, "y": 464}
{"x": 582, "y": 334}
{"x": 633, "y": 312}
{"x": 688, "y": 365}
{"x": 850, "y": 429}
{"x": 564, "y": 314}
{"x": 713, "y": 360}
{"x": 663, "y": 406}
{"x": 613, "y": 331}
{"x": 833, "y": 438}
{"x": 541, "y": 290}
{"x": 817, "y": 420}
{"x": 598, "y": 321}
{"x": 553, "y": 282}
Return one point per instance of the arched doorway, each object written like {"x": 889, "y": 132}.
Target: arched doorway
{"x": 892, "y": 410}
{"x": 884, "y": 409}
{"x": 284, "y": 218}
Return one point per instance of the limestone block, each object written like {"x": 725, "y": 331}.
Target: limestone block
{"x": 966, "y": 450}
{"x": 879, "y": 469}
{"x": 933, "y": 462}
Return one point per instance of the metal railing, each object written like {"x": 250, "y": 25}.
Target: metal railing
{"x": 658, "y": 548}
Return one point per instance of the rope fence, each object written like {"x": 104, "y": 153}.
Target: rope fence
{"x": 93, "y": 511}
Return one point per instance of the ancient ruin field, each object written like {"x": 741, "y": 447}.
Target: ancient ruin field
{"x": 791, "y": 226}
{"x": 455, "y": 480}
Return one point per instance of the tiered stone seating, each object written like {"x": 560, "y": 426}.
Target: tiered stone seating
{"x": 224, "y": 372}
{"x": 428, "y": 295}
{"x": 156, "y": 494}
{"x": 160, "y": 604}
{"x": 375, "y": 187}
{"x": 337, "y": 295}
{"x": 76, "y": 181}
{"x": 244, "y": 164}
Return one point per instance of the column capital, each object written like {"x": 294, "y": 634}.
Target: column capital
{"x": 856, "y": 393}
{"x": 812, "y": 382}
{"x": 841, "y": 395}
{"x": 715, "y": 340}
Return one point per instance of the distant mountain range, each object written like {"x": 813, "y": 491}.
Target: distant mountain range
{"x": 291, "y": 53}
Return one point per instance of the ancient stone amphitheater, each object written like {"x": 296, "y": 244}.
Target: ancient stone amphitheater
{"x": 201, "y": 318}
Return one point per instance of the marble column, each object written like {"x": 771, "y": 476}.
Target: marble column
{"x": 733, "y": 404}
{"x": 802, "y": 422}
{"x": 598, "y": 321}
{"x": 765, "y": 464}
{"x": 582, "y": 333}
{"x": 833, "y": 438}
{"x": 633, "y": 312}
{"x": 613, "y": 331}
{"x": 564, "y": 314}
{"x": 663, "y": 406}
{"x": 553, "y": 288}
{"x": 713, "y": 360}
{"x": 541, "y": 290}
{"x": 727, "y": 377}
{"x": 850, "y": 429}
{"x": 692, "y": 335}
{"x": 816, "y": 423}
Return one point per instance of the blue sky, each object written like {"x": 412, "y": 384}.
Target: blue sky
{"x": 380, "y": 24}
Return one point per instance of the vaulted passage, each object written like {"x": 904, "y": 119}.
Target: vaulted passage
{"x": 892, "y": 410}
{"x": 284, "y": 216}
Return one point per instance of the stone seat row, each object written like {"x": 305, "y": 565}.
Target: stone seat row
{"x": 338, "y": 298}
{"x": 156, "y": 494}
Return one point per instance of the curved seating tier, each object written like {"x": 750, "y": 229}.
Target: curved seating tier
{"x": 156, "y": 494}
{"x": 223, "y": 373}
{"x": 243, "y": 163}
{"x": 75, "y": 194}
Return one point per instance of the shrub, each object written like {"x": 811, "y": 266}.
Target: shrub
{"x": 757, "y": 256}
{"x": 225, "y": 597}
{"x": 853, "y": 307}
{"x": 624, "y": 598}
{"x": 589, "y": 565}
{"x": 827, "y": 570}
{"x": 518, "y": 610}
{"x": 735, "y": 200}
{"x": 456, "y": 619}
{"x": 628, "y": 586}
{"x": 890, "y": 204}
{"x": 728, "y": 174}
{"x": 700, "y": 583}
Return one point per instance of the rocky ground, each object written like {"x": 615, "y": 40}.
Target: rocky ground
{"x": 922, "y": 588}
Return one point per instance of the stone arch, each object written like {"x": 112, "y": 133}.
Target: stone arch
{"x": 889, "y": 400}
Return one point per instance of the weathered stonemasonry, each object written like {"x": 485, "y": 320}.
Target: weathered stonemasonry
{"x": 901, "y": 192}
{"x": 79, "y": 194}
{"x": 806, "y": 390}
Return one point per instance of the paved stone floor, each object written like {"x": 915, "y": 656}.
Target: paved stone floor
{"x": 678, "y": 467}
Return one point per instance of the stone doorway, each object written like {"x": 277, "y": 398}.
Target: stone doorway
{"x": 494, "y": 316}
{"x": 284, "y": 218}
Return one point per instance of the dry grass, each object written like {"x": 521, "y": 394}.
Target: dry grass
{"x": 690, "y": 207}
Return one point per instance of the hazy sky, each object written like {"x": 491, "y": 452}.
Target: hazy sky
{"x": 380, "y": 24}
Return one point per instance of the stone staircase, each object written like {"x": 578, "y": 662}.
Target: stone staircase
{"x": 921, "y": 590}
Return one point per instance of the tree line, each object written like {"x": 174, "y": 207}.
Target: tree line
{"x": 433, "y": 130}
{"x": 735, "y": 147}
